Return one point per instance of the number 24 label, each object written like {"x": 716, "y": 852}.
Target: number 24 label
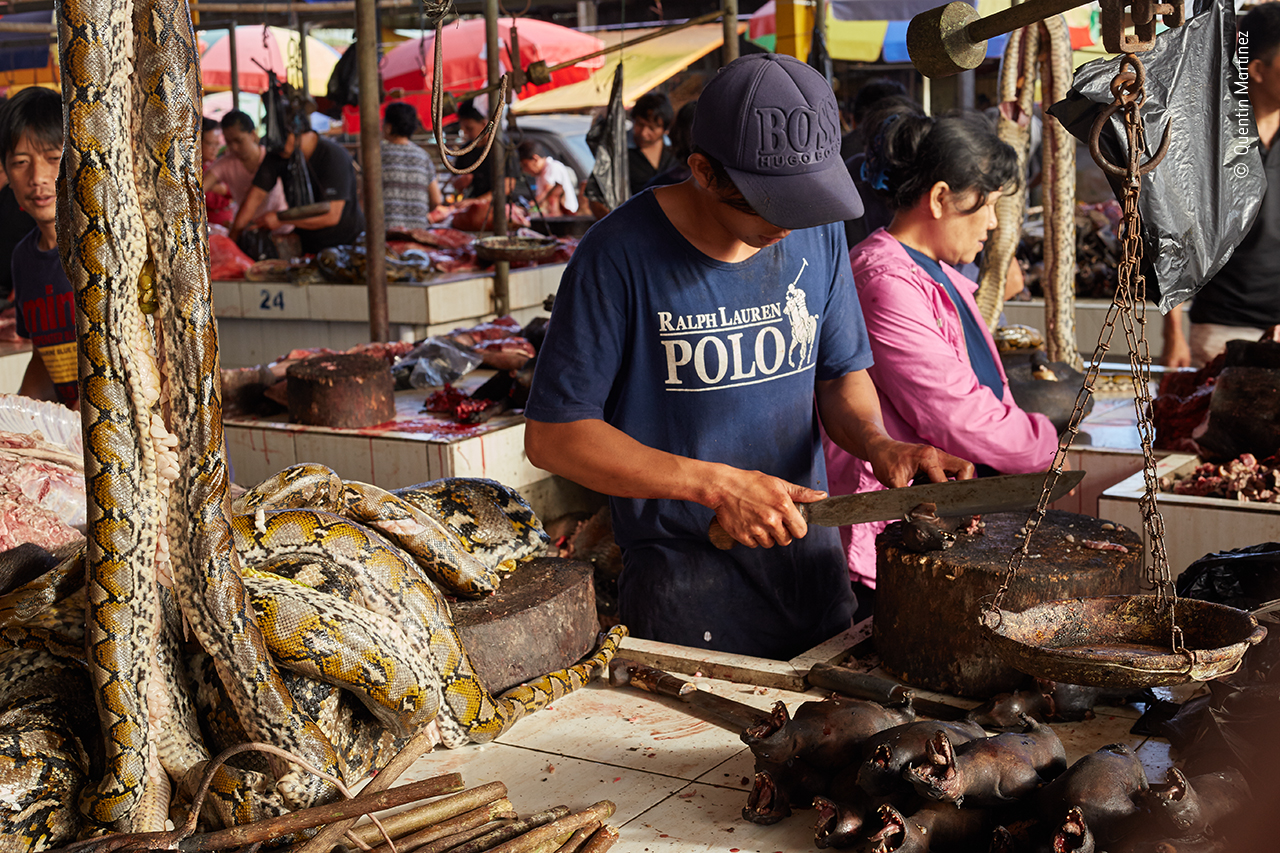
{"x": 270, "y": 300}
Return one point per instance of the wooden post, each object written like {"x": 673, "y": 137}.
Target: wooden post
{"x": 235, "y": 67}
{"x": 729, "y": 52}
{"x": 497, "y": 162}
{"x": 303, "y": 27}
{"x": 375, "y": 228}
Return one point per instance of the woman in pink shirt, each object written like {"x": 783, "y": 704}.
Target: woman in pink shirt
{"x": 936, "y": 367}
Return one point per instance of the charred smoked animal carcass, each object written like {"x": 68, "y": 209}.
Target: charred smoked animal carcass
{"x": 1188, "y": 808}
{"x": 893, "y": 750}
{"x": 1101, "y": 786}
{"x": 827, "y": 734}
{"x": 992, "y": 771}
{"x": 780, "y": 786}
{"x": 933, "y": 828}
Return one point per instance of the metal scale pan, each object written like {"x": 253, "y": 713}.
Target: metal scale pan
{"x": 1123, "y": 640}
{"x": 1140, "y": 640}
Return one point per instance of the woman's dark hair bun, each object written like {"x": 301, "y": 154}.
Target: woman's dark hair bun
{"x": 908, "y": 152}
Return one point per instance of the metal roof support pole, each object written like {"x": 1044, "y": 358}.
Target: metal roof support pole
{"x": 375, "y": 228}
{"x": 497, "y": 163}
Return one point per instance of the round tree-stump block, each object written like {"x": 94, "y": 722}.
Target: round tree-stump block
{"x": 348, "y": 391}
{"x": 542, "y": 618}
{"x": 927, "y": 605}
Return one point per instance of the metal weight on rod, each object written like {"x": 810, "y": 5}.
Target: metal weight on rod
{"x": 953, "y": 38}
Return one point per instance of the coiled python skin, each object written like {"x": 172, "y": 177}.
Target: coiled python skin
{"x": 131, "y": 236}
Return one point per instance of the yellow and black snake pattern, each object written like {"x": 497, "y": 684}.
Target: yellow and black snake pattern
{"x": 327, "y": 636}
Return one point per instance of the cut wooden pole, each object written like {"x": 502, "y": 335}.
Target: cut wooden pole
{"x": 578, "y": 838}
{"x": 545, "y": 839}
{"x": 460, "y": 820}
{"x": 433, "y": 813}
{"x": 450, "y": 842}
{"x": 422, "y": 742}
{"x": 341, "y": 811}
{"x": 603, "y": 838}
{"x": 512, "y": 830}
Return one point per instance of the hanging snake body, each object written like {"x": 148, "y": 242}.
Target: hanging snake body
{"x": 301, "y": 616}
{"x": 1044, "y": 51}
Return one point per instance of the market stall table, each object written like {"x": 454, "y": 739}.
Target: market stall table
{"x": 413, "y": 448}
{"x": 259, "y": 321}
{"x": 14, "y": 357}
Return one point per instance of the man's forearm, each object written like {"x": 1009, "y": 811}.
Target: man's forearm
{"x": 850, "y": 412}
{"x": 604, "y": 459}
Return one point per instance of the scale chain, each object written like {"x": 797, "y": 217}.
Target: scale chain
{"x": 1129, "y": 305}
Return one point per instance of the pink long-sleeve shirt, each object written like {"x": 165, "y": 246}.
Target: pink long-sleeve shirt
{"x": 928, "y": 391}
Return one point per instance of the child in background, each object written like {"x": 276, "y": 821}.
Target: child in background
{"x": 555, "y": 185}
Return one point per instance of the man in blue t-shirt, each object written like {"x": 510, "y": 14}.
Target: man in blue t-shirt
{"x": 693, "y": 331}
{"x": 31, "y": 151}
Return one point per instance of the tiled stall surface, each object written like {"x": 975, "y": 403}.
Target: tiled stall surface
{"x": 258, "y": 321}
{"x": 1194, "y": 526}
{"x": 679, "y": 782}
{"x": 14, "y": 358}
{"x": 412, "y": 449}
{"x": 1090, "y": 315}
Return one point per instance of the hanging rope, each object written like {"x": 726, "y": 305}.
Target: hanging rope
{"x": 437, "y": 115}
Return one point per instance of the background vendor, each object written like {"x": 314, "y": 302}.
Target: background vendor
{"x": 691, "y": 333}
{"x": 1243, "y": 300}
{"x": 937, "y": 371}
{"x": 332, "y": 175}
{"x": 31, "y": 149}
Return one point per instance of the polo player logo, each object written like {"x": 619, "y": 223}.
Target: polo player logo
{"x": 804, "y": 326}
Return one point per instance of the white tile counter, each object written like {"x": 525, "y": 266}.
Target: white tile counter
{"x": 14, "y": 357}
{"x": 679, "y": 783}
{"x": 258, "y": 321}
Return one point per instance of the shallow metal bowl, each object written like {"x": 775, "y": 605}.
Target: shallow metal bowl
{"x": 1122, "y": 640}
{"x": 492, "y": 249}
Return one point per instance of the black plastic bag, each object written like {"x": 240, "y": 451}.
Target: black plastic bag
{"x": 344, "y": 84}
{"x": 1199, "y": 203}
{"x": 257, "y": 244}
{"x": 609, "y": 183}
{"x": 1243, "y": 578}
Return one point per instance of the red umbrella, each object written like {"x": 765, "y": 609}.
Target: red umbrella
{"x": 464, "y": 58}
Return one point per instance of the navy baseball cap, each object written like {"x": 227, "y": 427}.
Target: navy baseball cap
{"x": 774, "y": 124}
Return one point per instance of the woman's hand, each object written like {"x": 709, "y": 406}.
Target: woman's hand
{"x": 269, "y": 220}
{"x": 896, "y": 463}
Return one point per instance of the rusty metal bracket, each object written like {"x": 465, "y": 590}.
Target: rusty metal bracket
{"x": 1142, "y": 14}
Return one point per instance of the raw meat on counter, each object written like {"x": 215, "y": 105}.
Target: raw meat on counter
{"x": 1242, "y": 479}
{"x": 41, "y": 492}
{"x": 436, "y": 238}
{"x": 9, "y": 324}
{"x": 226, "y": 261}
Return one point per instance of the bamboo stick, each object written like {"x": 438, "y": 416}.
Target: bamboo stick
{"x": 546, "y": 838}
{"x": 429, "y": 814}
{"x": 578, "y": 838}
{"x": 513, "y": 830}
{"x": 604, "y": 838}
{"x": 485, "y": 813}
{"x": 449, "y": 842}
{"x": 343, "y": 810}
{"x": 325, "y": 839}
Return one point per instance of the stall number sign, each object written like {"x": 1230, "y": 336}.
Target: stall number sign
{"x": 271, "y": 300}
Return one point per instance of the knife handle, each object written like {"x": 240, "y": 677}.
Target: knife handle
{"x": 722, "y": 540}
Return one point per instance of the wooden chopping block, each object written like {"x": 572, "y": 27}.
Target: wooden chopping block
{"x": 926, "y": 626}
{"x": 542, "y": 618}
{"x": 348, "y": 391}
